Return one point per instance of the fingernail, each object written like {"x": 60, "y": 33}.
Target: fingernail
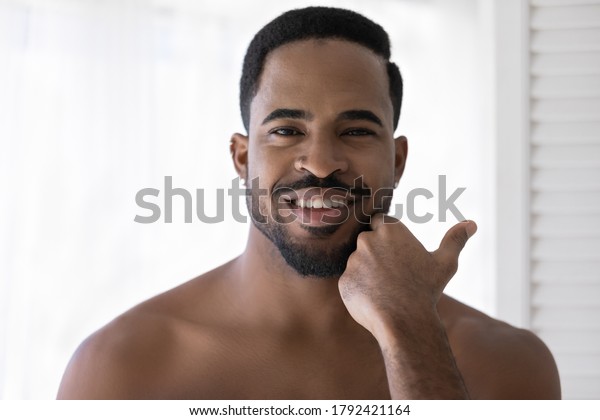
{"x": 471, "y": 227}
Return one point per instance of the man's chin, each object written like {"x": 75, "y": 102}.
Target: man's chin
{"x": 325, "y": 257}
{"x": 313, "y": 249}
{"x": 310, "y": 262}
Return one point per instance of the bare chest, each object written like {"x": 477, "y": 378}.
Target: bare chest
{"x": 268, "y": 371}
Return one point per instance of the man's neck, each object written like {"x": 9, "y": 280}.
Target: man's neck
{"x": 273, "y": 293}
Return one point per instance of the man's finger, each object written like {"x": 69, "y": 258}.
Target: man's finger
{"x": 379, "y": 219}
{"x": 456, "y": 238}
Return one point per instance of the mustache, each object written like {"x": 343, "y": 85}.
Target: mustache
{"x": 331, "y": 181}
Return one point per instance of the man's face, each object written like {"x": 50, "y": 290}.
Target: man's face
{"x": 321, "y": 124}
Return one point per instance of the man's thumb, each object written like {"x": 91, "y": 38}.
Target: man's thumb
{"x": 456, "y": 238}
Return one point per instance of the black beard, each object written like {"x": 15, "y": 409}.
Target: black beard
{"x": 305, "y": 259}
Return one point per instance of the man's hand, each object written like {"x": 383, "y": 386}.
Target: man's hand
{"x": 391, "y": 275}
{"x": 391, "y": 287}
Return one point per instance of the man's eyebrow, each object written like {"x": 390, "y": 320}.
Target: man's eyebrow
{"x": 297, "y": 114}
{"x": 360, "y": 114}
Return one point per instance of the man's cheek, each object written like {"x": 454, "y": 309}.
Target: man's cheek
{"x": 382, "y": 199}
{"x": 258, "y": 204}
{"x": 379, "y": 202}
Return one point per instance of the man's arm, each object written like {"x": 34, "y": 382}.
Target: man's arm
{"x": 392, "y": 285}
{"x": 419, "y": 362}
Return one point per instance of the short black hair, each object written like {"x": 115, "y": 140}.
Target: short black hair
{"x": 315, "y": 23}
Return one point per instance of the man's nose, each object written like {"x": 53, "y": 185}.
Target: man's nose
{"x": 322, "y": 157}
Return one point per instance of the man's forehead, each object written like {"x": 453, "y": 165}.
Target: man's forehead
{"x": 330, "y": 70}
{"x": 324, "y": 53}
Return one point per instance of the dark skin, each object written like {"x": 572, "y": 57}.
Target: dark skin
{"x": 255, "y": 329}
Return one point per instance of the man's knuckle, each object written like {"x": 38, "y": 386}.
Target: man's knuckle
{"x": 451, "y": 267}
{"x": 363, "y": 241}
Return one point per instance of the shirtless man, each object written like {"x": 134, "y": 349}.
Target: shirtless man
{"x": 315, "y": 308}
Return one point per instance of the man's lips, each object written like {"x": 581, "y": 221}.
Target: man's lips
{"x": 318, "y": 206}
{"x": 317, "y": 198}
{"x": 321, "y": 216}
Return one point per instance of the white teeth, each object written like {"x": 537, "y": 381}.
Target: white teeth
{"x": 320, "y": 203}
{"x": 337, "y": 202}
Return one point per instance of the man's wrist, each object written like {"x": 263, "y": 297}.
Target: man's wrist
{"x": 418, "y": 358}
{"x": 405, "y": 325}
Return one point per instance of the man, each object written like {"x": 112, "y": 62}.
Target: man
{"x": 331, "y": 298}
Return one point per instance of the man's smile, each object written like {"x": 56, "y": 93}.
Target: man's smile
{"x": 317, "y": 206}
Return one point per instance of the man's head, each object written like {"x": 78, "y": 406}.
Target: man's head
{"x": 315, "y": 23}
{"x": 320, "y": 116}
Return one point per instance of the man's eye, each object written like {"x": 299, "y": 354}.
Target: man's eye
{"x": 285, "y": 132}
{"x": 357, "y": 132}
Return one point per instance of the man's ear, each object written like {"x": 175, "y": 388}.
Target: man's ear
{"x": 401, "y": 153}
{"x": 239, "y": 154}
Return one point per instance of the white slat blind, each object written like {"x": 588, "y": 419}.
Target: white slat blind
{"x": 565, "y": 184}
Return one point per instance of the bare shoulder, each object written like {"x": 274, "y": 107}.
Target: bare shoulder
{"x": 497, "y": 360}
{"x": 148, "y": 351}
{"x": 111, "y": 363}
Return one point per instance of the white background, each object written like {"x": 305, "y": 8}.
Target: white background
{"x": 99, "y": 99}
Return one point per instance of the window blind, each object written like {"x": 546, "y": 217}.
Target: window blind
{"x": 564, "y": 93}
